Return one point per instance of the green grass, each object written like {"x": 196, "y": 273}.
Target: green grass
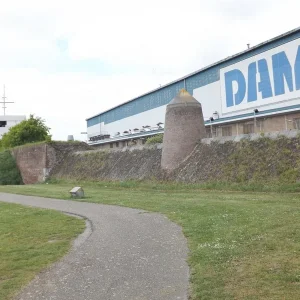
{"x": 30, "y": 240}
{"x": 243, "y": 245}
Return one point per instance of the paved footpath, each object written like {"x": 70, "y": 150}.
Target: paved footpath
{"x": 124, "y": 254}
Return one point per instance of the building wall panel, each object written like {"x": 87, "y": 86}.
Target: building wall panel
{"x": 207, "y": 86}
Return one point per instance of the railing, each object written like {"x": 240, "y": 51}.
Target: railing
{"x": 106, "y": 136}
{"x": 126, "y": 136}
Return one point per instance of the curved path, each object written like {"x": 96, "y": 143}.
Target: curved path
{"x": 128, "y": 254}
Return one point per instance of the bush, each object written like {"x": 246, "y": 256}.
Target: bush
{"x": 28, "y": 131}
{"x": 9, "y": 172}
{"x": 157, "y": 139}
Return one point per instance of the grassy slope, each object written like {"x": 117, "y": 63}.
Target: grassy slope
{"x": 242, "y": 245}
{"x": 30, "y": 240}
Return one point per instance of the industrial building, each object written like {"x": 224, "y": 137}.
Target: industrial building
{"x": 257, "y": 90}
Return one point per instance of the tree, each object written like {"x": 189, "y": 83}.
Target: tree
{"x": 28, "y": 131}
{"x": 9, "y": 172}
{"x": 156, "y": 139}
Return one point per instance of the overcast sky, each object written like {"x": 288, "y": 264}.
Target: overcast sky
{"x": 68, "y": 60}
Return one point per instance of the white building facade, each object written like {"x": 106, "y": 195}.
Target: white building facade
{"x": 7, "y": 122}
{"x": 252, "y": 91}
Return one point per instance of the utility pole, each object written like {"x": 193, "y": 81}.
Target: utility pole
{"x": 4, "y": 101}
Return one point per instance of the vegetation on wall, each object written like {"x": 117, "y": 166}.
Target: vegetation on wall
{"x": 264, "y": 160}
{"x": 157, "y": 139}
{"x": 9, "y": 172}
{"x": 260, "y": 161}
{"x": 28, "y": 131}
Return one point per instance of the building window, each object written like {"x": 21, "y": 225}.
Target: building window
{"x": 248, "y": 128}
{"x": 124, "y": 144}
{"x": 296, "y": 123}
{"x": 3, "y": 123}
{"x": 111, "y": 145}
{"x": 117, "y": 144}
{"x": 227, "y": 131}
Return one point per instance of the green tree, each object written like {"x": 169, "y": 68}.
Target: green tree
{"x": 156, "y": 139}
{"x": 9, "y": 172}
{"x": 28, "y": 131}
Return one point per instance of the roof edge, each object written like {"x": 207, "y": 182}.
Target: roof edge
{"x": 228, "y": 58}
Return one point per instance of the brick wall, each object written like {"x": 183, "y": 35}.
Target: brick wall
{"x": 136, "y": 162}
{"x": 31, "y": 161}
{"x": 263, "y": 124}
{"x": 256, "y": 158}
{"x": 36, "y": 161}
{"x": 269, "y": 158}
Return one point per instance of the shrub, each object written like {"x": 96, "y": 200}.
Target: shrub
{"x": 9, "y": 172}
{"x": 157, "y": 139}
{"x": 28, "y": 131}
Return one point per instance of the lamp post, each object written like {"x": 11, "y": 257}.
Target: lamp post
{"x": 215, "y": 115}
{"x": 211, "y": 129}
{"x": 255, "y": 111}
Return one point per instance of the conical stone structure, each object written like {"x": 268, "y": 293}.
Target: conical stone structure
{"x": 184, "y": 127}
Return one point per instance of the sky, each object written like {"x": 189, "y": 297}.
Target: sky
{"x": 65, "y": 61}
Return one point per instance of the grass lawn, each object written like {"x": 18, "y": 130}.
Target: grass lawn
{"x": 30, "y": 240}
{"x": 243, "y": 245}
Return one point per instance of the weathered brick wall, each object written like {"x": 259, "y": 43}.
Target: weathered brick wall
{"x": 31, "y": 161}
{"x": 36, "y": 161}
{"x": 260, "y": 160}
{"x": 134, "y": 163}
{"x": 183, "y": 126}
{"x": 257, "y": 159}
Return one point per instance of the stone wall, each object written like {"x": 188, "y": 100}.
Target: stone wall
{"x": 262, "y": 159}
{"x": 36, "y": 161}
{"x": 255, "y": 158}
{"x": 129, "y": 163}
{"x": 31, "y": 161}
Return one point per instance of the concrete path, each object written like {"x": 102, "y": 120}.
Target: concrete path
{"x": 127, "y": 254}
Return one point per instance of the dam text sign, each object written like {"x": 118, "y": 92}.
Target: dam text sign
{"x": 264, "y": 79}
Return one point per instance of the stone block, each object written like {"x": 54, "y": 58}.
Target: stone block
{"x": 77, "y": 192}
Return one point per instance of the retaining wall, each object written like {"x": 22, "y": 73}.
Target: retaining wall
{"x": 36, "y": 161}
{"x": 251, "y": 158}
{"x": 248, "y": 158}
